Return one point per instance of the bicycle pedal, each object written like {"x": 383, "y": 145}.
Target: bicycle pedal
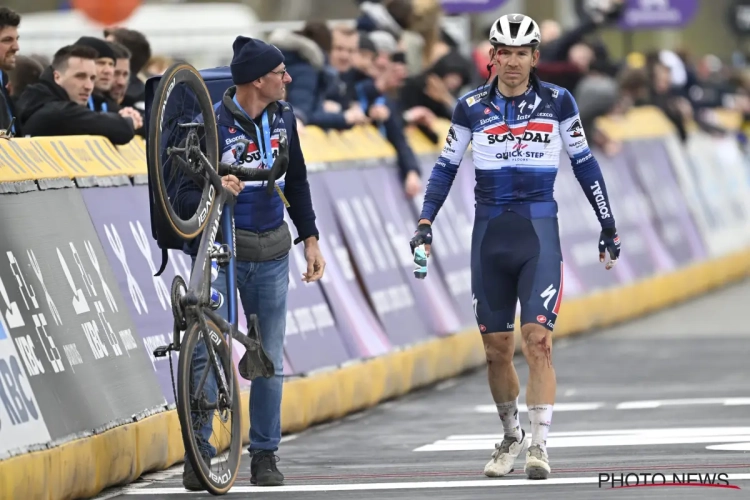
{"x": 162, "y": 351}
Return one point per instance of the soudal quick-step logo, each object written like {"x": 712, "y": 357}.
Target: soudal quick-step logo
{"x": 533, "y": 132}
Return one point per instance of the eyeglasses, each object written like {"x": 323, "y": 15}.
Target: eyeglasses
{"x": 280, "y": 72}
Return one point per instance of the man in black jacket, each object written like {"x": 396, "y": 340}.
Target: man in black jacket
{"x": 57, "y": 104}
{"x": 9, "y": 22}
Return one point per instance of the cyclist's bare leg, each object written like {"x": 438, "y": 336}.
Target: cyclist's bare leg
{"x": 540, "y": 395}
{"x": 537, "y": 348}
{"x": 499, "y": 348}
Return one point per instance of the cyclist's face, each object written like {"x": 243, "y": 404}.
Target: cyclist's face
{"x": 513, "y": 64}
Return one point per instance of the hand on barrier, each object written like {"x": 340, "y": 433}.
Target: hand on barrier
{"x": 609, "y": 241}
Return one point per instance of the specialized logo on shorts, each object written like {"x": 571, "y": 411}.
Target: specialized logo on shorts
{"x": 541, "y": 318}
{"x": 482, "y": 328}
{"x": 232, "y": 130}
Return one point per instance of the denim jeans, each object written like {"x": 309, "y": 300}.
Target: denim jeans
{"x": 263, "y": 288}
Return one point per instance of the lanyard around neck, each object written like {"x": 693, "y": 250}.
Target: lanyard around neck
{"x": 93, "y": 108}
{"x": 264, "y": 138}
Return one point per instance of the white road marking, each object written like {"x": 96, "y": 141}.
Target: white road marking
{"x": 557, "y": 408}
{"x": 730, "y": 447}
{"x": 658, "y": 403}
{"x": 447, "y": 384}
{"x": 478, "y": 483}
{"x": 628, "y": 405}
{"x": 628, "y": 437}
{"x": 155, "y": 477}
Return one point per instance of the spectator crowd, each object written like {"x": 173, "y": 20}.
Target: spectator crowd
{"x": 396, "y": 67}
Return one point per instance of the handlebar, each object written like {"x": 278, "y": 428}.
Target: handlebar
{"x": 245, "y": 174}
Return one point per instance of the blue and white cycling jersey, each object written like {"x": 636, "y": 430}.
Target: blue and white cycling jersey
{"x": 516, "y": 146}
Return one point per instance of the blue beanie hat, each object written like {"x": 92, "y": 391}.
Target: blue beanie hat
{"x": 252, "y": 59}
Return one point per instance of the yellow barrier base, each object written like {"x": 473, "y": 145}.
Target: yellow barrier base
{"x": 84, "y": 467}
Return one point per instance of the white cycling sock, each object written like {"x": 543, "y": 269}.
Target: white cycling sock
{"x": 540, "y": 417}
{"x": 508, "y": 413}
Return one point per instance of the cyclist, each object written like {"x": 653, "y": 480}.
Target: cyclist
{"x": 518, "y": 125}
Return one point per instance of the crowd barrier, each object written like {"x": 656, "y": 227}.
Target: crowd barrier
{"x": 85, "y": 405}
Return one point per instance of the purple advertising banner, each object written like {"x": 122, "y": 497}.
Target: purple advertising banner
{"x": 648, "y": 14}
{"x": 360, "y": 329}
{"x": 466, "y": 6}
{"x": 646, "y": 254}
{"x": 653, "y": 172}
{"x": 451, "y": 248}
{"x": 397, "y": 217}
{"x": 122, "y": 221}
{"x": 312, "y": 335}
{"x": 579, "y": 231}
{"x": 390, "y": 295}
{"x": 658, "y": 14}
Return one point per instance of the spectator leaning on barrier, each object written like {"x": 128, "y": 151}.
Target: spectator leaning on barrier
{"x": 372, "y": 98}
{"x": 121, "y": 79}
{"x": 57, "y": 104}
{"x": 305, "y": 54}
{"x": 9, "y": 22}
{"x": 253, "y": 109}
{"x": 140, "y": 53}
{"x": 105, "y": 73}
{"x": 436, "y": 89}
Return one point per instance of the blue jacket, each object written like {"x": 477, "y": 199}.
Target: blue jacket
{"x": 255, "y": 210}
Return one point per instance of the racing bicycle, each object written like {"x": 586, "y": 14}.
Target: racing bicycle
{"x": 184, "y": 166}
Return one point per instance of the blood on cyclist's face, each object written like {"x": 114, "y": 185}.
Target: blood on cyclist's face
{"x": 513, "y": 64}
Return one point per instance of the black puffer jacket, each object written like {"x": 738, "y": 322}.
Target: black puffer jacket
{"x": 44, "y": 109}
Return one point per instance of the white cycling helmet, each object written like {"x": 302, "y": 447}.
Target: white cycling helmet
{"x": 515, "y": 30}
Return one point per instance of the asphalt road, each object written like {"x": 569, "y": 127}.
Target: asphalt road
{"x": 668, "y": 394}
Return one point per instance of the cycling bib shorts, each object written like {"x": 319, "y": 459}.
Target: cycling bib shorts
{"x": 516, "y": 259}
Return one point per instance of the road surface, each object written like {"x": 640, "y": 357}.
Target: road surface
{"x": 668, "y": 394}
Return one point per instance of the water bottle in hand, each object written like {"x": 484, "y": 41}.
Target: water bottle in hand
{"x": 420, "y": 263}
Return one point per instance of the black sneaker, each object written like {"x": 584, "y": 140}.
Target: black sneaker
{"x": 189, "y": 479}
{"x": 263, "y": 471}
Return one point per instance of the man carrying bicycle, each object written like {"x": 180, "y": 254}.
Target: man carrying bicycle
{"x": 252, "y": 109}
{"x": 517, "y": 126}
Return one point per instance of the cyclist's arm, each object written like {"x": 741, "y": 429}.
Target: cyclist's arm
{"x": 446, "y": 167}
{"x": 585, "y": 166}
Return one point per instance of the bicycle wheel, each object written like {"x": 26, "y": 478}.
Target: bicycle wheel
{"x": 182, "y": 136}
{"x": 218, "y": 475}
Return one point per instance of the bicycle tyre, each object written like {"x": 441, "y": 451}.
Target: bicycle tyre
{"x": 182, "y": 73}
{"x": 213, "y": 485}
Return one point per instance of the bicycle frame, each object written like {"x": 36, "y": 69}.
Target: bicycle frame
{"x": 196, "y": 301}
